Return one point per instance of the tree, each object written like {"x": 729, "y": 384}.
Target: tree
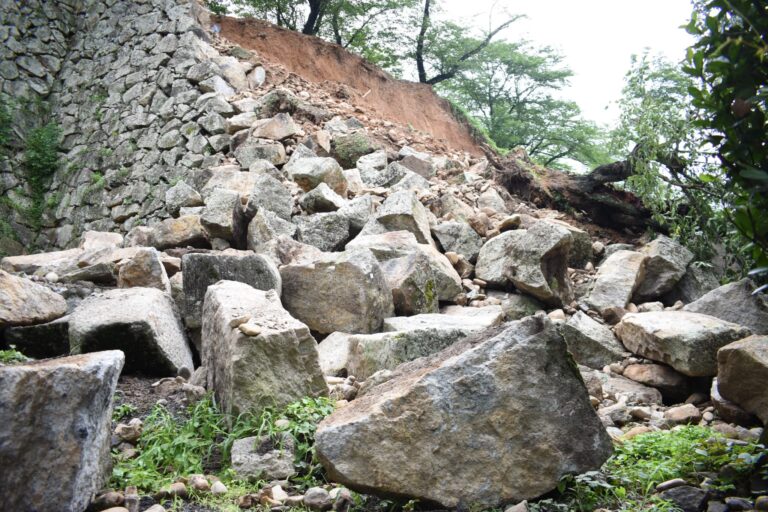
{"x": 445, "y": 48}
{"x": 730, "y": 64}
{"x": 510, "y": 88}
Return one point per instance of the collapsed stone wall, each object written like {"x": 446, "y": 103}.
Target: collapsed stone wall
{"x": 127, "y": 81}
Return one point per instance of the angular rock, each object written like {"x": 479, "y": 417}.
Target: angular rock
{"x": 260, "y": 149}
{"x": 735, "y": 303}
{"x": 182, "y": 232}
{"x": 218, "y": 218}
{"x": 730, "y": 411}
{"x": 469, "y": 320}
{"x": 683, "y": 414}
{"x": 673, "y": 385}
{"x": 326, "y": 231}
{"x": 517, "y": 307}
{"x": 344, "y": 292}
{"x": 401, "y": 212}
{"x": 617, "y": 279}
{"x": 275, "y": 128}
{"x": 386, "y": 176}
{"x": 24, "y": 302}
{"x": 228, "y": 177}
{"x": 413, "y": 286}
{"x": 348, "y": 148}
{"x": 95, "y": 240}
{"x": 533, "y": 260}
{"x": 420, "y": 163}
{"x": 203, "y": 270}
{"x": 310, "y": 172}
{"x": 489, "y": 412}
{"x": 697, "y": 281}
{"x": 42, "y": 340}
{"x": 257, "y": 458}
{"x": 686, "y": 497}
{"x": 43, "y": 262}
{"x": 269, "y": 194}
{"x": 743, "y": 374}
{"x": 144, "y": 269}
{"x": 617, "y": 388}
{"x": 321, "y": 199}
{"x": 257, "y": 354}
{"x": 688, "y": 342}
{"x": 412, "y": 183}
{"x": 666, "y": 265}
{"x": 142, "y": 322}
{"x": 181, "y": 195}
{"x": 460, "y": 238}
{"x": 591, "y": 343}
{"x": 396, "y": 244}
{"x": 358, "y": 210}
{"x": 266, "y": 226}
{"x": 581, "y": 248}
{"x": 56, "y": 422}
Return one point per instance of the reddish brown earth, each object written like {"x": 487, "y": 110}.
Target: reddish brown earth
{"x": 318, "y": 61}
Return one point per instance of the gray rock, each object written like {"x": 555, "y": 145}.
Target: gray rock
{"x": 420, "y": 163}
{"x": 326, "y": 231}
{"x": 41, "y": 341}
{"x": 266, "y": 226}
{"x": 317, "y": 499}
{"x": 695, "y": 283}
{"x": 617, "y": 279}
{"x": 344, "y": 292}
{"x": 228, "y": 177}
{"x": 412, "y": 283}
{"x": 591, "y": 343}
{"x": 496, "y": 402}
{"x": 278, "y": 127}
{"x": 386, "y": 176}
{"x": 666, "y": 265}
{"x": 517, "y": 307}
{"x": 617, "y": 388}
{"x": 396, "y": 244}
{"x": 686, "y": 497}
{"x": 257, "y": 354}
{"x": 730, "y": 411}
{"x": 581, "y": 248}
{"x": 310, "y": 172}
{"x": 202, "y": 270}
{"x": 347, "y": 148}
{"x": 142, "y": 322}
{"x": 359, "y": 211}
{"x": 24, "y": 302}
{"x": 56, "y": 422}
{"x": 185, "y": 231}
{"x": 258, "y": 149}
{"x": 469, "y": 320}
{"x": 268, "y": 193}
{"x": 321, "y": 199}
{"x": 535, "y": 261}
{"x": 95, "y": 240}
{"x": 673, "y": 385}
{"x": 401, "y": 212}
{"x": 41, "y": 263}
{"x": 458, "y": 237}
{"x": 181, "y": 195}
{"x": 742, "y": 374}
{"x": 144, "y": 269}
{"x": 218, "y": 218}
{"x": 735, "y": 303}
{"x": 258, "y": 458}
{"x": 688, "y": 342}
{"x": 411, "y": 182}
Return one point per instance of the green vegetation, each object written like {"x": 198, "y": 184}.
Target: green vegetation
{"x": 201, "y": 442}
{"x": 122, "y": 410}
{"x": 730, "y": 64}
{"x": 12, "y": 356}
{"x": 628, "y": 479}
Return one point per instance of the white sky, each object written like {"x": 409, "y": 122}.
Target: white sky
{"x": 597, "y": 37}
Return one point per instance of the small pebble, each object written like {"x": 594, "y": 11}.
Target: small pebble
{"x": 218, "y": 489}
{"x": 670, "y": 484}
{"x": 708, "y": 416}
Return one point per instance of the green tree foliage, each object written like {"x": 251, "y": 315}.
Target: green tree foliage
{"x": 730, "y": 65}
{"x": 511, "y": 88}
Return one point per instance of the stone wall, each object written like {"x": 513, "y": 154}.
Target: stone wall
{"x": 130, "y": 83}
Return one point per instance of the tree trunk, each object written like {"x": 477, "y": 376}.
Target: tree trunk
{"x": 591, "y": 193}
{"x": 420, "y": 43}
{"x": 312, "y": 24}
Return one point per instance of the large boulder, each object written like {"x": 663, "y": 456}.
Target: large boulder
{"x": 401, "y": 212}
{"x": 697, "y": 281}
{"x": 144, "y": 269}
{"x": 41, "y": 340}
{"x": 591, "y": 343}
{"x": 486, "y": 413}
{"x": 412, "y": 283}
{"x": 688, "y": 342}
{"x": 43, "y": 262}
{"x": 396, "y": 244}
{"x": 666, "y": 265}
{"x": 734, "y": 302}
{"x": 202, "y": 270}
{"x": 308, "y": 173}
{"x": 362, "y": 355}
{"x": 55, "y": 433}
{"x": 458, "y": 237}
{"x": 326, "y": 231}
{"x": 256, "y": 353}
{"x": 219, "y": 215}
{"x": 142, "y": 322}
{"x": 535, "y": 261}
{"x": 468, "y": 320}
{"x": 617, "y": 279}
{"x": 265, "y": 226}
{"x": 24, "y": 302}
{"x": 344, "y": 291}
{"x": 185, "y": 231}
{"x": 743, "y": 374}
{"x": 269, "y": 194}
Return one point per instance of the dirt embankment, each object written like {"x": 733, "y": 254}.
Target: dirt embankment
{"x": 318, "y": 61}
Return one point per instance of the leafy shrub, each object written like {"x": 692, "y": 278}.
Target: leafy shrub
{"x": 12, "y": 356}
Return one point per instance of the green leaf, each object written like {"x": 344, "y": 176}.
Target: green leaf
{"x": 754, "y": 174}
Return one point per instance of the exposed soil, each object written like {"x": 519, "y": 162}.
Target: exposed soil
{"x": 370, "y": 88}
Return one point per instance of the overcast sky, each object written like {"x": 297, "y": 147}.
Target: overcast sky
{"x": 597, "y": 37}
